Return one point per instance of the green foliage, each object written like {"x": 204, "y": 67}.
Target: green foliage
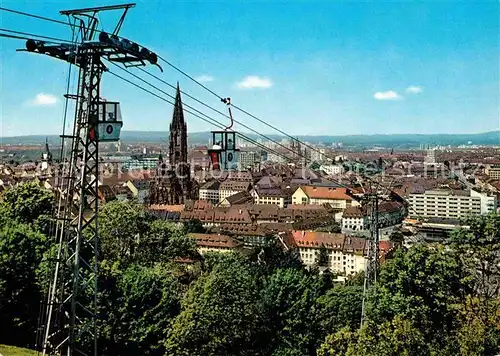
{"x": 422, "y": 285}
{"x": 396, "y": 337}
{"x": 397, "y": 238}
{"x": 289, "y": 308}
{"x": 25, "y": 203}
{"x": 193, "y": 226}
{"x": 322, "y": 259}
{"x": 122, "y": 224}
{"x": 21, "y": 251}
{"x": 139, "y": 305}
{"x": 340, "y": 307}
{"x": 130, "y": 235}
{"x": 219, "y": 314}
{"x": 428, "y": 300}
{"x": 272, "y": 256}
{"x": 332, "y": 228}
{"x": 479, "y": 251}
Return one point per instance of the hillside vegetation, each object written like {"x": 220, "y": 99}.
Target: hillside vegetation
{"x": 431, "y": 299}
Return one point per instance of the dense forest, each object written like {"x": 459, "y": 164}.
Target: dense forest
{"x": 159, "y": 297}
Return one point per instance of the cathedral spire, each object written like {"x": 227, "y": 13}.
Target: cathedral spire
{"x": 178, "y": 117}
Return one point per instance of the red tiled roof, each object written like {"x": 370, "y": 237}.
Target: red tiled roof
{"x": 325, "y": 192}
{"x": 165, "y": 207}
{"x": 315, "y": 239}
{"x": 215, "y": 240}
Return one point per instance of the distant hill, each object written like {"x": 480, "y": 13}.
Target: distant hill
{"x": 397, "y": 140}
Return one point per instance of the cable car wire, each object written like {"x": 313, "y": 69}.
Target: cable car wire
{"x": 197, "y": 82}
{"x": 207, "y": 119}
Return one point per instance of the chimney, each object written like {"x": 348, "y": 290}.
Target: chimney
{"x": 303, "y": 233}
{"x": 240, "y": 211}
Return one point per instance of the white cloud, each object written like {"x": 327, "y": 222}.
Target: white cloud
{"x": 253, "y": 81}
{"x": 42, "y": 99}
{"x": 414, "y": 89}
{"x": 387, "y": 95}
{"x": 205, "y": 78}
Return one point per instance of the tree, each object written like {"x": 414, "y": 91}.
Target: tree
{"x": 478, "y": 249}
{"x": 21, "y": 251}
{"x": 397, "y": 238}
{"x": 193, "y": 226}
{"x": 289, "y": 304}
{"x": 137, "y": 309}
{"x": 422, "y": 285}
{"x": 479, "y": 332}
{"x": 396, "y": 337}
{"x": 25, "y": 203}
{"x": 478, "y": 252}
{"x": 122, "y": 224}
{"x": 272, "y": 256}
{"x": 219, "y": 314}
{"x": 322, "y": 259}
{"x": 340, "y": 307}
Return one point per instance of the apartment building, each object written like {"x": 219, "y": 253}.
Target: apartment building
{"x": 357, "y": 218}
{"x": 272, "y": 196}
{"x": 249, "y": 158}
{"x": 210, "y": 191}
{"x": 346, "y": 254}
{"x": 230, "y": 187}
{"x": 493, "y": 171}
{"x": 317, "y": 195}
{"x": 454, "y": 204}
{"x": 215, "y": 243}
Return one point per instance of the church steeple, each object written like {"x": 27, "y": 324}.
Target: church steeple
{"x": 178, "y": 117}
{"x": 46, "y": 156}
{"x": 178, "y": 136}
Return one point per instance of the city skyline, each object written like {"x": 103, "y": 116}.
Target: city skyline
{"x": 331, "y": 69}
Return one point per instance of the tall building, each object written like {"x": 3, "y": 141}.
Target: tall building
{"x": 173, "y": 183}
{"x": 451, "y": 204}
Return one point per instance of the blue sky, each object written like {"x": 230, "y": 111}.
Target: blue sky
{"x": 307, "y": 67}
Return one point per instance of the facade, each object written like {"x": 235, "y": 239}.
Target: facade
{"x": 493, "y": 171}
{"x": 240, "y": 198}
{"x": 173, "y": 183}
{"x": 451, "y": 204}
{"x": 210, "y": 191}
{"x": 139, "y": 189}
{"x": 332, "y": 169}
{"x": 346, "y": 254}
{"x": 249, "y": 158}
{"x": 316, "y": 195}
{"x": 318, "y": 155}
{"x": 140, "y": 163}
{"x": 272, "y": 196}
{"x": 357, "y": 218}
{"x": 206, "y": 243}
{"x": 230, "y": 187}
{"x": 430, "y": 158}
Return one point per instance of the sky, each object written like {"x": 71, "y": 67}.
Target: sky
{"x": 307, "y": 67}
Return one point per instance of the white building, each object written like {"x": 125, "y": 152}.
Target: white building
{"x": 346, "y": 254}
{"x": 228, "y": 188}
{"x": 272, "y": 196}
{"x": 210, "y": 191}
{"x": 316, "y": 195}
{"x": 451, "y": 204}
{"x": 357, "y": 219}
{"x": 332, "y": 169}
